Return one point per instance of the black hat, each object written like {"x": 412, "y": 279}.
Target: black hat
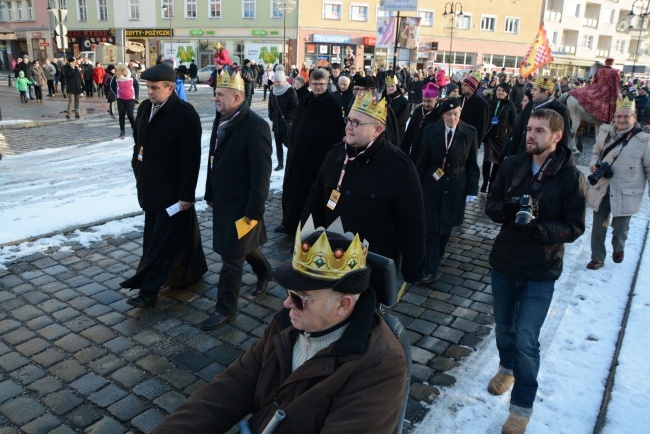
{"x": 110, "y": 67}
{"x": 452, "y": 87}
{"x": 71, "y": 59}
{"x": 246, "y": 61}
{"x": 160, "y": 72}
{"x": 367, "y": 82}
{"x": 449, "y": 104}
{"x": 504, "y": 86}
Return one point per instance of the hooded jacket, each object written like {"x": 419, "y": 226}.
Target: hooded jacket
{"x": 537, "y": 255}
{"x": 22, "y": 82}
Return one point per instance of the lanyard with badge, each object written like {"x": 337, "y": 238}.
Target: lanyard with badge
{"x": 449, "y": 138}
{"x": 336, "y": 193}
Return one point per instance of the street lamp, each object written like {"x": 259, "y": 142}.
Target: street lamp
{"x": 453, "y": 12}
{"x": 627, "y": 25}
{"x": 284, "y": 6}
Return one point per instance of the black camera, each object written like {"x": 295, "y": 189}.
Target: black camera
{"x": 603, "y": 170}
{"x": 527, "y": 211}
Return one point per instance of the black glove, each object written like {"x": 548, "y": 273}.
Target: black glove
{"x": 529, "y": 228}
{"x": 509, "y": 211}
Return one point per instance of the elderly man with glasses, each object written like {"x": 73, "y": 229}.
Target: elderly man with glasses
{"x": 374, "y": 188}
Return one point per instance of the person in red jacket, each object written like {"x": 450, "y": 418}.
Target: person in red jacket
{"x": 221, "y": 56}
{"x": 98, "y": 78}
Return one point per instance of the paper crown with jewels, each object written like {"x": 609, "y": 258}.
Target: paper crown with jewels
{"x": 392, "y": 80}
{"x": 544, "y": 83}
{"x": 625, "y": 103}
{"x": 318, "y": 260}
{"x": 366, "y": 105}
{"x": 230, "y": 81}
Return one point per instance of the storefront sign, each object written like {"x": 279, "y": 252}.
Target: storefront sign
{"x": 143, "y": 33}
{"x": 43, "y": 44}
{"x": 260, "y": 32}
{"x": 370, "y": 41}
{"x": 332, "y": 39}
{"x": 36, "y": 35}
{"x": 91, "y": 33}
{"x": 197, "y": 32}
{"x": 401, "y": 5}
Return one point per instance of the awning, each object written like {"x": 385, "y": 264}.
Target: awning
{"x": 134, "y": 47}
{"x": 7, "y": 34}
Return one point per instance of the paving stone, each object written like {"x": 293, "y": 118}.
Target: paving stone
{"x": 54, "y": 270}
{"x": 199, "y": 383}
{"x": 79, "y": 324}
{"x": 40, "y": 322}
{"x": 420, "y": 373}
{"x": 432, "y": 344}
{"x": 106, "y": 425}
{"x": 28, "y": 374}
{"x": 49, "y": 357}
{"x": 72, "y": 343}
{"x": 234, "y": 337}
{"x": 45, "y": 385}
{"x": 4, "y": 349}
{"x": 91, "y": 288}
{"x": 11, "y": 281}
{"x": 470, "y": 341}
{"x": 157, "y": 365}
{"x": 127, "y": 408}
{"x": 147, "y": 337}
{"x": 457, "y": 352}
{"x": 107, "y": 396}
{"x": 21, "y": 410}
{"x": 128, "y": 376}
{"x": 465, "y": 325}
{"x": 439, "y": 306}
{"x": 437, "y": 317}
{"x": 66, "y": 314}
{"x": 170, "y": 401}
{"x": 191, "y": 360}
{"x": 9, "y": 389}
{"x": 25, "y": 313}
{"x": 36, "y": 297}
{"x": 444, "y": 364}
{"x": 107, "y": 364}
{"x": 151, "y": 388}
{"x": 97, "y": 310}
{"x": 66, "y": 294}
{"x": 119, "y": 344}
{"x": 209, "y": 372}
{"x": 134, "y": 353}
{"x": 442, "y": 380}
{"x": 420, "y": 355}
{"x": 224, "y": 354}
{"x": 88, "y": 384}
{"x": 422, "y": 326}
{"x": 89, "y": 354}
{"x": 6, "y": 295}
{"x": 423, "y": 393}
{"x": 99, "y": 334}
{"x": 147, "y": 421}
{"x": 62, "y": 401}
{"x": 178, "y": 378}
{"x": 53, "y": 331}
{"x": 67, "y": 370}
{"x": 82, "y": 302}
{"x": 52, "y": 305}
{"x": 32, "y": 346}
{"x": 111, "y": 318}
{"x": 128, "y": 327}
{"x": 12, "y": 361}
{"x": 84, "y": 416}
{"x": 41, "y": 425}
{"x": 448, "y": 334}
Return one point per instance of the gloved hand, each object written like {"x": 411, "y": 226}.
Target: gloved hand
{"x": 470, "y": 199}
{"x": 509, "y": 211}
{"x": 529, "y": 228}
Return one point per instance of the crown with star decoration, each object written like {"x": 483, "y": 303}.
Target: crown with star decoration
{"x": 373, "y": 108}
{"x": 625, "y": 103}
{"x": 319, "y": 261}
{"x": 230, "y": 81}
{"x": 392, "y": 80}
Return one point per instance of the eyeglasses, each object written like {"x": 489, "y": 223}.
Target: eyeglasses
{"x": 622, "y": 116}
{"x": 355, "y": 123}
{"x": 299, "y": 300}
{"x": 318, "y": 84}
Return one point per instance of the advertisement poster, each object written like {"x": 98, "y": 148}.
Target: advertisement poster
{"x": 385, "y": 32}
{"x": 408, "y": 32}
{"x": 266, "y": 53}
{"x": 179, "y": 52}
{"x": 399, "y": 5}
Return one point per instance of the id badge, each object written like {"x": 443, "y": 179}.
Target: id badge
{"x": 211, "y": 161}
{"x": 495, "y": 120}
{"x": 333, "y": 200}
{"x": 140, "y": 153}
{"x": 438, "y": 174}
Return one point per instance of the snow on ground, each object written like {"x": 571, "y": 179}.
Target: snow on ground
{"x": 15, "y": 122}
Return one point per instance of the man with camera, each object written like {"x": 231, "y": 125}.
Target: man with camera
{"x": 539, "y": 197}
{"x": 620, "y": 168}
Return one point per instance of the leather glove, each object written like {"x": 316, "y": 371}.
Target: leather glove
{"x": 509, "y": 211}
{"x": 469, "y": 199}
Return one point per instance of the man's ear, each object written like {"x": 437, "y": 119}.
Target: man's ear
{"x": 345, "y": 305}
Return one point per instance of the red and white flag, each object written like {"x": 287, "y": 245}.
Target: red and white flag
{"x": 538, "y": 55}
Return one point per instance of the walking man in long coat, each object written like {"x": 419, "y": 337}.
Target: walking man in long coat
{"x": 74, "y": 86}
{"x": 166, "y": 161}
{"x": 237, "y": 187}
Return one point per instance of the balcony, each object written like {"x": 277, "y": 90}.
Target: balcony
{"x": 565, "y": 49}
{"x": 553, "y": 16}
{"x": 602, "y": 53}
{"x": 590, "y": 22}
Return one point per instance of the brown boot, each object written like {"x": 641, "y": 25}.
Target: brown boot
{"x": 515, "y": 424}
{"x": 500, "y": 383}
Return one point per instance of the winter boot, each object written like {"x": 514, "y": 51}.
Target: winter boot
{"x": 122, "y": 135}
{"x": 515, "y": 424}
{"x": 279, "y": 167}
{"x": 486, "y": 177}
{"x": 500, "y": 383}
{"x": 493, "y": 174}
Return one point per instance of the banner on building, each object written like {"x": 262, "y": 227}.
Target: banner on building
{"x": 266, "y": 53}
{"x": 400, "y": 5}
{"x": 386, "y": 32}
{"x": 179, "y": 52}
{"x": 538, "y": 55}
{"x": 408, "y": 32}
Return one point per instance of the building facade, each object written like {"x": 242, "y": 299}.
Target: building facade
{"x": 25, "y": 29}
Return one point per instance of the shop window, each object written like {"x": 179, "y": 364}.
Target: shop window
{"x": 248, "y": 9}
{"x": 332, "y": 11}
{"x": 426, "y": 18}
{"x": 215, "y": 9}
{"x": 134, "y": 9}
{"x": 190, "y": 9}
{"x": 512, "y": 25}
{"x": 488, "y": 23}
{"x": 82, "y": 10}
{"x": 358, "y": 12}
{"x": 102, "y": 8}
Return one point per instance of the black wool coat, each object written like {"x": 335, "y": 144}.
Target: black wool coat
{"x": 444, "y": 200}
{"x": 73, "y": 81}
{"x": 282, "y": 110}
{"x": 238, "y": 181}
{"x": 475, "y": 112}
{"x": 400, "y": 106}
{"x": 171, "y": 158}
{"x": 318, "y": 126}
{"x": 381, "y": 199}
{"x": 413, "y": 137}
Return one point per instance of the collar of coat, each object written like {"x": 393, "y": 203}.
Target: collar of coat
{"x": 243, "y": 110}
{"x": 355, "y": 337}
{"x": 524, "y": 162}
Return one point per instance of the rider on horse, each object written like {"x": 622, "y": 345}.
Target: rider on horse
{"x": 599, "y": 99}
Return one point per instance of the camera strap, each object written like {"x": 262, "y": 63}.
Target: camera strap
{"x": 623, "y": 139}
{"x": 537, "y": 180}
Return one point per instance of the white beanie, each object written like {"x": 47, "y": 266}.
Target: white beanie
{"x": 279, "y": 76}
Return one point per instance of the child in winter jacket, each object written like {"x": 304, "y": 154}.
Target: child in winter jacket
{"x": 22, "y": 84}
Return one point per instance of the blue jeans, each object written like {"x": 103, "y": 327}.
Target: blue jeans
{"x": 520, "y": 308}
{"x": 193, "y": 84}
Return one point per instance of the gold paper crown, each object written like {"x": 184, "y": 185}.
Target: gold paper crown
{"x": 230, "y": 81}
{"x": 392, "y": 80}
{"x": 367, "y": 106}
{"x": 625, "y": 103}
{"x": 319, "y": 261}
{"x": 477, "y": 76}
{"x": 544, "y": 83}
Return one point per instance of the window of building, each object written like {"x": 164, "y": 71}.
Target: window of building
{"x": 574, "y": 9}
{"x": 426, "y": 18}
{"x": 358, "y": 12}
{"x": 10, "y": 11}
{"x": 214, "y": 10}
{"x": 19, "y": 8}
{"x": 102, "y": 9}
{"x": 63, "y": 4}
{"x": 248, "y": 9}
{"x": 587, "y": 41}
{"x": 82, "y": 10}
{"x": 190, "y": 9}
{"x": 134, "y": 9}
{"x": 552, "y": 36}
{"x": 2, "y": 12}
{"x": 381, "y": 13}
{"x": 167, "y": 9}
{"x": 512, "y": 25}
{"x": 488, "y": 23}
{"x": 332, "y": 11}
{"x": 276, "y": 10}
{"x": 464, "y": 21}
{"x": 619, "y": 46}
{"x": 609, "y": 15}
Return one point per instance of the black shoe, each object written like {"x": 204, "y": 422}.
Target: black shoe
{"x": 281, "y": 229}
{"x": 216, "y": 320}
{"x": 65, "y": 96}
{"x": 428, "y": 278}
{"x": 143, "y": 300}
{"x": 33, "y": 99}
{"x": 76, "y": 115}
{"x": 618, "y": 257}
{"x": 121, "y": 135}
{"x": 67, "y": 116}
{"x": 280, "y": 167}
{"x": 261, "y": 287}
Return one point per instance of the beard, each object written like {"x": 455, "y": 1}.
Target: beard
{"x": 538, "y": 149}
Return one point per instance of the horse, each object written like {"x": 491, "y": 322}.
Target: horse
{"x": 578, "y": 114}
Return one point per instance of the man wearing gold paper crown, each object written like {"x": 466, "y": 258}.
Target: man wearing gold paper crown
{"x": 166, "y": 161}
{"x": 620, "y": 168}
{"x": 398, "y": 103}
{"x": 237, "y": 186}
{"x": 374, "y": 188}
{"x": 327, "y": 359}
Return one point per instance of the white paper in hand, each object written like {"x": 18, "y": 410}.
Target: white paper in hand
{"x": 174, "y": 209}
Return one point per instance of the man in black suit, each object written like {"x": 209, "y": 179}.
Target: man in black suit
{"x": 166, "y": 161}
{"x": 237, "y": 186}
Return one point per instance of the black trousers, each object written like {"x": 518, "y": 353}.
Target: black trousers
{"x": 50, "y": 87}
{"x": 125, "y": 107}
{"x": 280, "y": 141}
{"x": 436, "y": 245}
{"x": 231, "y": 275}
{"x": 89, "y": 87}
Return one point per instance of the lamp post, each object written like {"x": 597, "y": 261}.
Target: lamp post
{"x": 169, "y": 11}
{"x": 284, "y": 6}
{"x": 644, "y": 12}
{"x": 452, "y": 13}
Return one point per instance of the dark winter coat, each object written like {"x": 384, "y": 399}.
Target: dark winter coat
{"x": 194, "y": 70}
{"x": 560, "y": 219}
{"x": 317, "y": 127}
{"x": 73, "y": 82}
{"x": 249, "y": 80}
{"x": 110, "y": 95}
{"x": 381, "y": 199}
{"x": 414, "y": 91}
{"x": 88, "y": 72}
{"x": 400, "y": 106}
{"x": 238, "y": 181}
{"x": 517, "y": 94}
{"x": 171, "y": 158}
{"x": 444, "y": 200}
{"x": 355, "y": 385}
{"x": 413, "y": 137}
{"x": 475, "y": 113}
{"x": 498, "y": 136}
{"x": 517, "y": 144}
{"x": 282, "y": 110}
